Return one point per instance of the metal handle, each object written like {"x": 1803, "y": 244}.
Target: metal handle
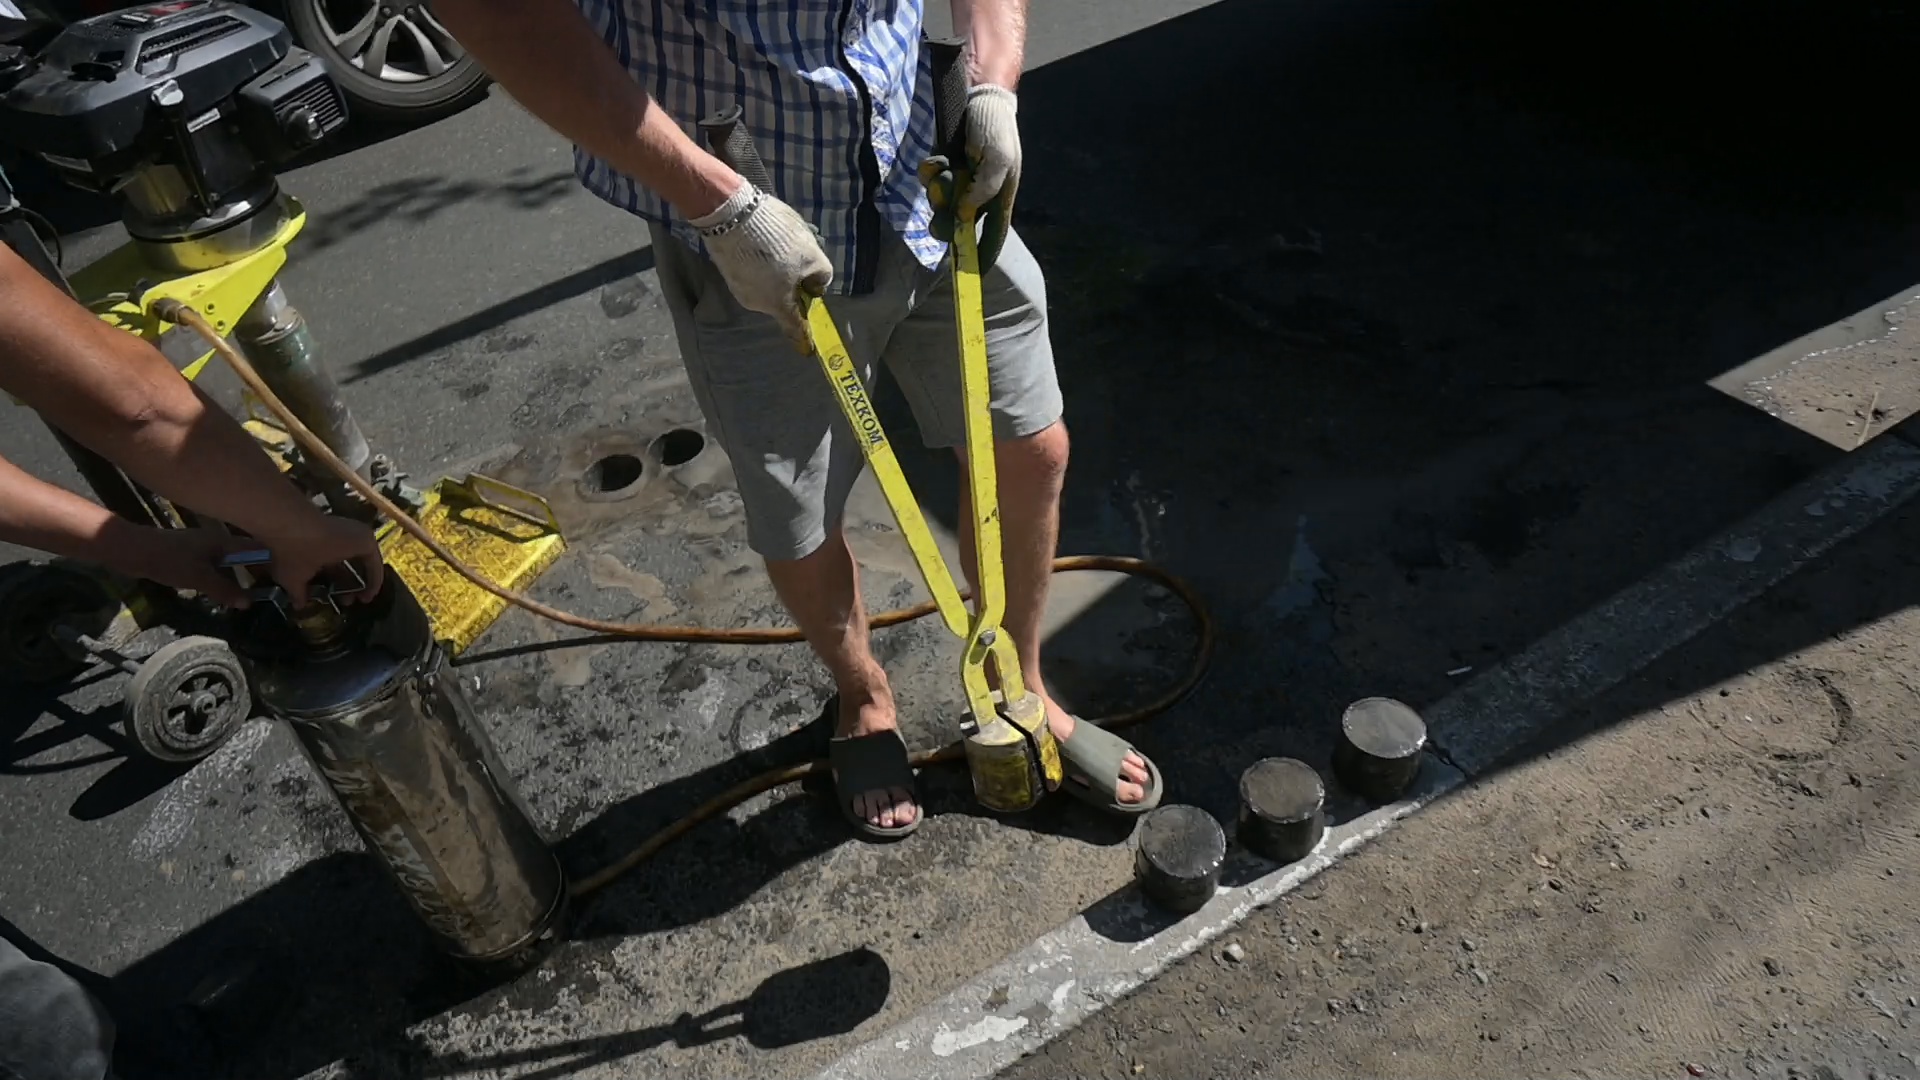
{"x": 259, "y": 557}
{"x": 507, "y": 499}
{"x": 949, "y": 97}
{"x": 320, "y": 590}
{"x": 732, "y": 143}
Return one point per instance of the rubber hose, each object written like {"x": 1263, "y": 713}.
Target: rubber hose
{"x": 180, "y": 314}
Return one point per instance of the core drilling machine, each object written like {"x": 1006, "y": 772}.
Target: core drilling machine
{"x": 181, "y": 111}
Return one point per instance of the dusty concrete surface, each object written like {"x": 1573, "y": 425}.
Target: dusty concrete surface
{"x": 1815, "y": 383}
{"x": 1712, "y": 875}
{"x": 1449, "y": 390}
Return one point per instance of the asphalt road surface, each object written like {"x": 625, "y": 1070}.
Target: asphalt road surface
{"x": 1405, "y": 330}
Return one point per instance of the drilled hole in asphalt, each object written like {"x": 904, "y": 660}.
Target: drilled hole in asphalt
{"x": 613, "y": 473}
{"x": 677, "y": 447}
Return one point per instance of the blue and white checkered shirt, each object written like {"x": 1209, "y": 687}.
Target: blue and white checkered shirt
{"x": 838, "y": 95}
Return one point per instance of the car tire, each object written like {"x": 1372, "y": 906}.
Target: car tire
{"x": 409, "y": 93}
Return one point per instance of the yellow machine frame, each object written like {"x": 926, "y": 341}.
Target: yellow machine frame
{"x": 508, "y": 534}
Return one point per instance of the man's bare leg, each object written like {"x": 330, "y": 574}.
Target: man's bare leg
{"x": 822, "y": 593}
{"x": 1032, "y": 471}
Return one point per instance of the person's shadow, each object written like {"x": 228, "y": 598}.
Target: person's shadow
{"x": 816, "y": 1000}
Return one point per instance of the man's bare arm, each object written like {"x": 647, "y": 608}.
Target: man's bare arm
{"x": 547, "y": 55}
{"x": 38, "y": 515}
{"x": 119, "y": 397}
{"x": 996, "y": 31}
{"x": 116, "y": 395}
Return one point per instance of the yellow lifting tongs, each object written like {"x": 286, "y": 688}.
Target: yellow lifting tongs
{"x": 1011, "y": 752}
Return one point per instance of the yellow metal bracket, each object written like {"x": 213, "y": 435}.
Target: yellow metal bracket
{"x": 122, "y": 287}
{"x": 510, "y": 536}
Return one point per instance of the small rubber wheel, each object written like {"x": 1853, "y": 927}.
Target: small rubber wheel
{"x": 33, "y": 598}
{"x": 187, "y": 698}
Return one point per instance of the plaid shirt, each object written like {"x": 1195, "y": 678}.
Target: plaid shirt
{"x": 838, "y": 95}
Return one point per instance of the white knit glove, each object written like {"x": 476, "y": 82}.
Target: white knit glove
{"x": 768, "y": 256}
{"x": 993, "y": 147}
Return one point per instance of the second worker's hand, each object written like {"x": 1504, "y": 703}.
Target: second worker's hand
{"x": 992, "y": 133}
{"x": 319, "y": 551}
{"x": 187, "y": 559}
{"x": 769, "y": 258}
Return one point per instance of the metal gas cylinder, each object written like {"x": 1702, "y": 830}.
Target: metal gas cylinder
{"x": 387, "y": 725}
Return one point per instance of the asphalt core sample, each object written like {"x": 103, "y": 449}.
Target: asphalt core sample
{"x": 1182, "y": 851}
{"x": 1282, "y": 809}
{"x": 1380, "y": 748}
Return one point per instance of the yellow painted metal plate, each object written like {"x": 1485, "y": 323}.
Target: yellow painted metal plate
{"x": 277, "y": 443}
{"x": 507, "y": 535}
{"x": 122, "y": 286}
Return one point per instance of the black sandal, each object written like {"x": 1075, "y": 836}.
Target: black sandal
{"x": 1092, "y": 760}
{"x": 869, "y": 763}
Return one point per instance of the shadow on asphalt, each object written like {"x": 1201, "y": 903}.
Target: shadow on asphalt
{"x": 1404, "y": 366}
{"x": 23, "y": 738}
{"x": 497, "y": 315}
{"x": 826, "y": 997}
{"x": 1856, "y": 590}
{"x": 416, "y": 200}
{"x": 125, "y": 785}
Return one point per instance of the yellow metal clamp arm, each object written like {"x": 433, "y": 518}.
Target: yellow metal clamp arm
{"x": 1015, "y": 761}
{"x": 986, "y": 636}
{"x": 946, "y": 177}
{"x": 978, "y": 629}
{"x": 1014, "y": 755}
{"x": 861, "y": 416}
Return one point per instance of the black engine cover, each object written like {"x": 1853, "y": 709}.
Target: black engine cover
{"x": 87, "y": 100}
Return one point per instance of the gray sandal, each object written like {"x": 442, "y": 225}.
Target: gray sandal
{"x": 866, "y": 763}
{"x": 1092, "y": 762}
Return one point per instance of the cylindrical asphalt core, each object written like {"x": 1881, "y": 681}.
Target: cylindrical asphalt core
{"x": 1282, "y": 809}
{"x": 1380, "y": 746}
{"x": 1180, "y": 855}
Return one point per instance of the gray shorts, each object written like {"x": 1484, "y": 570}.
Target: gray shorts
{"x": 771, "y": 409}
